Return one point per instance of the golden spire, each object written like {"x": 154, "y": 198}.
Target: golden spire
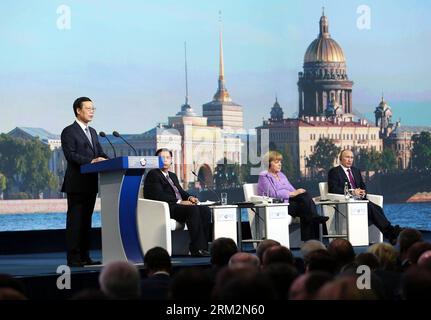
{"x": 221, "y": 71}
{"x": 221, "y": 94}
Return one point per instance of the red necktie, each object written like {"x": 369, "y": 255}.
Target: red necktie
{"x": 352, "y": 181}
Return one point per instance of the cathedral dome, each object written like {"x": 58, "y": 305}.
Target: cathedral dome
{"x": 324, "y": 49}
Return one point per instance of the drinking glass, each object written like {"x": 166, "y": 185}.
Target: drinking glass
{"x": 223, "y": 198}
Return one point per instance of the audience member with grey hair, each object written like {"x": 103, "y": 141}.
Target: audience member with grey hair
{"x": 120, "y": 280}
{"x": 310, "y": 246}
{"x": 241, "y": 259}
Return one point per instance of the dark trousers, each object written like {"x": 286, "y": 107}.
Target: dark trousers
{"x": 198, "y": 221}
{"x": 80, "y": 207}
{"x": 303, "y": 206}
{"x": 377, "y": 217}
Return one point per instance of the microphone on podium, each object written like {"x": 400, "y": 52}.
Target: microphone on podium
{"x": 218, "y": 198}
{"x": 116, "y": 134}
{"x": 103, "y": 135}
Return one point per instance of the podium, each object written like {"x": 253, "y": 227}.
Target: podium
{"x": 119, "y": 184}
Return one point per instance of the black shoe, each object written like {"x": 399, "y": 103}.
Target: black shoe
{"x": 320, "y": 219}
{"x": 200, "y": 253}
{"x": 75, "y": 264}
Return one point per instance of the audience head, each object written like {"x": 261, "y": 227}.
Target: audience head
{"x": 424, "y": 260}
{"x": 416, "y": 250}
{"x": 278, "y": 254}
{"x": 416, "y": 283}
{"x": 157, "y": 259}
{"x": 281, "y": 276}
{"x": 241, "y": 259}
{"x": 345, "y": 288}
{"x": 386, "y": 255}
{"x": 306, "y": 286}
{"x": 7, "y": 281}
{"x": 407, "y": 238}
{"x": 222, "y": 249}
{"x": 11, "y": 294}
{"x": 320, "y": 260}
{"x": 368, "y": 259}
{"x": 310, "y": 246}
{"x": 265, "y": 244}
{"x": 246, "y": 283}
{"x": 120, "y": 280}
{"x": 342, "y": 251}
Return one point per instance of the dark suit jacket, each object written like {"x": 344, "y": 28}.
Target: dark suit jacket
{"x": 78, "y": 151}
{"x": 337, "y": 177}
{"x": 155, "y": 287}
{"x": 157, "y": 187}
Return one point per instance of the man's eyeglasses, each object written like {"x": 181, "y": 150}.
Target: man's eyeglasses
{"x": 89, "y": 109}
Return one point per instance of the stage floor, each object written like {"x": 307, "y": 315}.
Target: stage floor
{"x": 46, "y": 264}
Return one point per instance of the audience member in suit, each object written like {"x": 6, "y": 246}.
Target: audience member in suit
{"x": 80, "y": 146}
{"x": 347, "y": 173}
{"x": 163, "y": 185}
{"x": 158, "y": 266}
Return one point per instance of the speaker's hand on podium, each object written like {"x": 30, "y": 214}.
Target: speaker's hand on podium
{"x": 98, "y": 159}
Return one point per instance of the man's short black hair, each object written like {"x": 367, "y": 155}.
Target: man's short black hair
{"x": 157, "y": 259}
{"x": 77, "y": 104}
{"x": 159, "y": 151}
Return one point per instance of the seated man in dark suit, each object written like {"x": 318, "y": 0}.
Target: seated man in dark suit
{"x": 163, "y": 185}
{"x": 346, "y": 173}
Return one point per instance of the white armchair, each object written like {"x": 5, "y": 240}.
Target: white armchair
{"x": 156, "y": 228}
{"x": 250, "y": 190}
{"x": 374, "y": 234}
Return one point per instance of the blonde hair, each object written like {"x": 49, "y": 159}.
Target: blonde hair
{"x": 271, "y": 156}
{"x": 386, "y": 254}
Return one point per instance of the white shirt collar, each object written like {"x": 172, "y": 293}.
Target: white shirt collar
{"x": 166, "y": 174}
{"x": 345, "y": 169}
{"x": 81, "y": 124}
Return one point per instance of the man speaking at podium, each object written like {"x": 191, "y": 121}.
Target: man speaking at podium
{"x": 80, "y": 146}
{"x": 163, "y": 185}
